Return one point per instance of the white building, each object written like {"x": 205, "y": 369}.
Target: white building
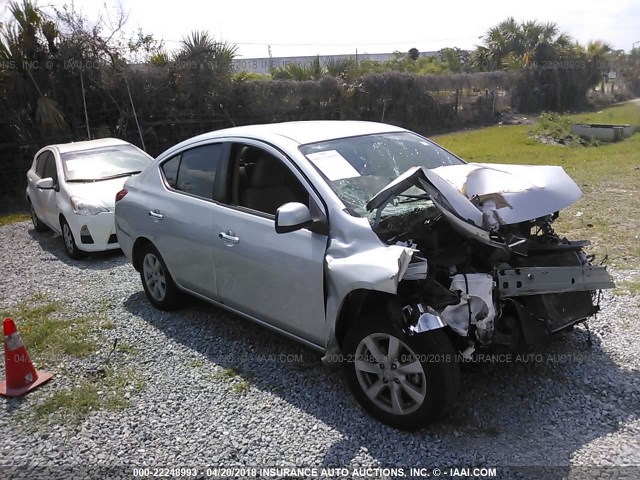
{"x": 263, "y": 65}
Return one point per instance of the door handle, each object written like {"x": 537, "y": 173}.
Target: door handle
{"x": 156, "y": 214}
{"x": 229, "y": 237}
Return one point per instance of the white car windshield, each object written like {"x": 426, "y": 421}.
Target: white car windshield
{"x": 103, "y": 163}
{"x": 357, "y": 168}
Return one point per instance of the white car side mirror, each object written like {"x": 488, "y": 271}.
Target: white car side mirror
{"x": 46, "y": 184}
{"x": 292, "y": 216}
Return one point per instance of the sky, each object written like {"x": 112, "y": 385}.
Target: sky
{"x": 294, "y": 28}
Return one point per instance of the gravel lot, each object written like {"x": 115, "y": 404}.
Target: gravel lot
{"x": 579, "y": 407}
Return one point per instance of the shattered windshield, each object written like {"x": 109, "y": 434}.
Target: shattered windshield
{"x": 357, "y": 168}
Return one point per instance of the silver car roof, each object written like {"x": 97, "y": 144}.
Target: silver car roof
{"x": 299, "y": 132}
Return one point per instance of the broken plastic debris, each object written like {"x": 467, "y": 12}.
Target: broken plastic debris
{"x": 417, "y": 269}
{"x": 476, "y": 295}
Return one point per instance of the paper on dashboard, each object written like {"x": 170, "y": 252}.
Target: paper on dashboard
{"x": 333, "y": 165}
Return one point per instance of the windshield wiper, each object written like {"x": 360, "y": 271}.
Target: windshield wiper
{"x": 412, "y": 198}
{"x": 110, "y": 177}
{"x": 118, "y": 175}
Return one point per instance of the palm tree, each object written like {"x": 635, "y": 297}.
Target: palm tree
{"x": 340, "y": 66}
{"x": 513, "y": 44}
{"x": 596, "y": 53}
{"x": 26, "y": 44}
{"x": 206, "y": 51}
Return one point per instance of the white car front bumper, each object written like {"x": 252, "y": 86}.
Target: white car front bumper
{"x": 94, "y": 233}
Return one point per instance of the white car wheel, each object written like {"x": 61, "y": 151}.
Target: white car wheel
{"x": 69, "y": 242}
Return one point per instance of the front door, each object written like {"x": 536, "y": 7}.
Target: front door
{"x": 48, "y": 198}
{"x": 277, "y": 278}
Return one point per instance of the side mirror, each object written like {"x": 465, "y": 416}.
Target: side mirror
{"x": 46, "y": 184}
{"x": 291, "y": 217}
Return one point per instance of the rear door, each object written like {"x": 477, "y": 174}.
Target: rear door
{"x": 276, "y": 278}
{"x": 181, "y": 212}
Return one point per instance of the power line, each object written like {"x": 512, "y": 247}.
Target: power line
{"x": 337, "y": 44}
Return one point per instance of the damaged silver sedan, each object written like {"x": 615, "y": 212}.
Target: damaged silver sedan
{"x": 370, "y": 243}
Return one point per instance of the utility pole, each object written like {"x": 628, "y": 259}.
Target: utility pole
{"x": 84, "y": 102}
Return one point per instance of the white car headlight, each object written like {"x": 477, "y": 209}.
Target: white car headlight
{"x": 82, "y": 207}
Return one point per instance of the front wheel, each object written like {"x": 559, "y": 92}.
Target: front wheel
{"x": 69, "y": 242}
{"x": 158, "y": 285}
{"x": 405, "y": 381}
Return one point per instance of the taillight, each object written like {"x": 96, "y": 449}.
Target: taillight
{"x": 120, "y": 195}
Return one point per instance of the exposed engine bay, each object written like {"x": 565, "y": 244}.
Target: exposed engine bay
{"x": 480, "y": 267}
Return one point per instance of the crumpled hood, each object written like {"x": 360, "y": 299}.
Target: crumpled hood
{"x": 486, "y": 195}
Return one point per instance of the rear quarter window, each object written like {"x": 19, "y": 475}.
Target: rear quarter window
{"x": 170, "y": 170}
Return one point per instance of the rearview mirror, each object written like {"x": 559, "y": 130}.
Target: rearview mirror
{"x": 45, "y": 184}
{"x": 292, "y": 216}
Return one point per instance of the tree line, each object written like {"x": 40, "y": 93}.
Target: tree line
{"x": 65, "y": 78}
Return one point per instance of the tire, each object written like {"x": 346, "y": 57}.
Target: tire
{"x": 159, "y": 287}
{"x": 409, "y": 399}
{"x": 37, "y": 224}
{"x": 69, "y": 242}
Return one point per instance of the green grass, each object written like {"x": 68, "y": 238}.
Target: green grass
{"x": 13, "y": 218}
{"x": 628, "y": 287}
{"x": 104, "y": 391}
{"x": 238, "y": 384}
{"x": 240, "y": 387}
{"x": 53, "y": 337}
{"x": 227, "y": 374}
{"x": 125, "y": 348}
{"x": 108, "y": 325}
{"x": 49, "y": 334}
{"x": 609, "y": 176}
{"x": 623, "y": 114}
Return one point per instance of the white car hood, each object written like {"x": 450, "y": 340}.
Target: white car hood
{"x": 101, "y": 193}
{"x": 486, "y": 195}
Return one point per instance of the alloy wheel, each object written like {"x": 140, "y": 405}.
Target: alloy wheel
{"x": 390, "y": 374}
{"x": 154, "y": 277}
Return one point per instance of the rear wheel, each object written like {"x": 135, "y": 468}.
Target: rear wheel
{"x": 69, "y": 242}
{"x": 37, "y": 224}
{"x": 156, "y": 280}
{"x": 405, "y": 381}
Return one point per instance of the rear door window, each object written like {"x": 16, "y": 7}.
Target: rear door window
{"x": 195, "y": 170}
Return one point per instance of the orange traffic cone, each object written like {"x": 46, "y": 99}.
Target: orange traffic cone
{"x": 22, "y": 377}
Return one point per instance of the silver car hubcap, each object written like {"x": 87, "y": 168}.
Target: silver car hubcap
{"x": 154, "y": 277}
{"x": 390, "y": 374}
{"x": 68, "y": 237}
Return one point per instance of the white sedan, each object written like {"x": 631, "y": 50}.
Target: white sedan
{"x": 71, "y": 189}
